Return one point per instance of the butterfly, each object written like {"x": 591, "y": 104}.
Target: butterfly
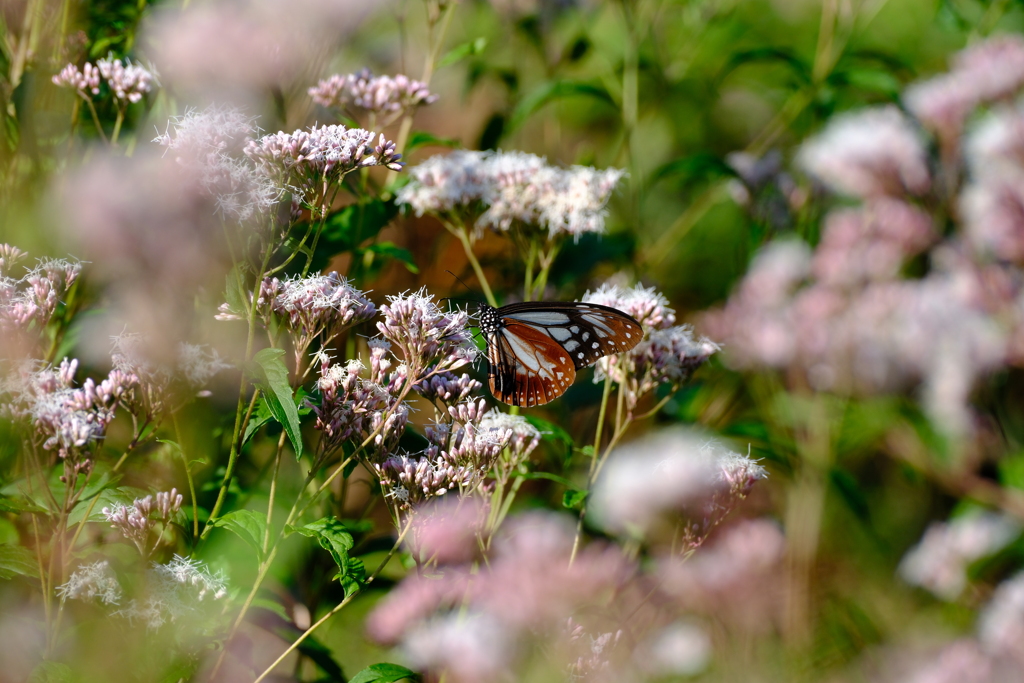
{"x": 535, "y": 348}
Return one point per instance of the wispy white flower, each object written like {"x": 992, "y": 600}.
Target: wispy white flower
{"x": 96, "y": 580}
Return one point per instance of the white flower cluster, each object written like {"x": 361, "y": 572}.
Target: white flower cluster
{"x": 501, "y": 189}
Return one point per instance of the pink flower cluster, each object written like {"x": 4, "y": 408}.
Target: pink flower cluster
{"x": 668, "y": 354}
{"x": 306, "y": 160}
{"x": 987, "y": 72}
{"x": 885, "y": 303}
{"x": 499, "y": 190}
{"x": 386, "y": 97}
{"x": 66, "y": 419}
{"x": 30, "y": 300}
{"x": 426, "y": 336}
{"x": 127, "y": 82}
{"x": 137, "y": 521}
{"x": 474, "y": 625}
{"x": 318, "y": 306}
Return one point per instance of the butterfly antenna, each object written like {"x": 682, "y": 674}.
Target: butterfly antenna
{"x": 457, "y": 278}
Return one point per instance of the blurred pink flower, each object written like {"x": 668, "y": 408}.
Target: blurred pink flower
{"x": 735, "y": 579}
{"x": 671, "y": 472}
{"x": 1001, "y": 624}
{"x": 230, "y": 49}
{"x": 447, "y": 531}
{"x": 153, "y": 234}
{"x": 871, "y": 242}
{"x": 868, "y": 153}
{"x": 985, "y": 72}
{"x": 523, "y": 594}
{"x": 939, "y": 561}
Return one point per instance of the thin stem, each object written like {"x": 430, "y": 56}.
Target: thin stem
{"x": 273, "y": 490}
{"x": 117, "y": 126}
{"x": 188, "y": 474}
{"x": 95, "y": 118}
{"x": 593, "y": 464}
{"x": 463, "y": 234}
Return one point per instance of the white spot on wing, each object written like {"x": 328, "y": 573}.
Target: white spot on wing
{"x": 559, "y": 334}
{"x": 571, "y": 345}
{"x": 540, "y": 317}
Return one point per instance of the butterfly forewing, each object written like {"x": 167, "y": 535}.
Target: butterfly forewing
{"x": 534, "y": 349}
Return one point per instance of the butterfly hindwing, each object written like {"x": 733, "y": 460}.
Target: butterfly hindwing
{"x": 527, "y": 367}
{"x": 534, "y": 349}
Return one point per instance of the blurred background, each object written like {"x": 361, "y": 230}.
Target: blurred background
{"x": 875, "y": 427}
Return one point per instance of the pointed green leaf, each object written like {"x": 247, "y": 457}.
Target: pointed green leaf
{"x": 19, "y": 504}
{"x": 551, "y": 91}
{"x": 247, "y": 525}
{"x": 271, "y": 376}
{"x": 392, "y": 250}
{"x": 15, "y": 559}
{"x": 335, "y": 537}
{"x": 384, "y": 673}
{"x": 573, "y": 499}
{"x": 460, "y": 52}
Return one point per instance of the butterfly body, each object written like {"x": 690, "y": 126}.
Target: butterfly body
{"x": 535, "y": 349}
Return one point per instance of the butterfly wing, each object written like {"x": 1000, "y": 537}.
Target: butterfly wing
{"x": 527, "y": 367}
{"x": 586, "y": 331}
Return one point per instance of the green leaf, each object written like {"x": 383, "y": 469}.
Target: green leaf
{"x": 261, "y": 415}
{"x": 549, "y": 431}
{"x": 271, "y": 376}
{"x": 51, "y": 672}
{"x": 19, "y": 504}
{"x": 335, "y": 537}
{"x": 234, "y": 294}
{"x": 272, "y": 606}
{"x": 350, "y": 227}
{"x": 15, "y": 559}
{"x": 551, "y": 91}
{"x": 322, "y": 656}
{"x": 384, "y": 673}
{"x": 460, "y": 52}
{"x": 771, "y": 55}
{"x": 423, "y": 139}
{"x": 393, "y": 251}
{"x": 573, "y": 499}
{"x": 247, "y": 525}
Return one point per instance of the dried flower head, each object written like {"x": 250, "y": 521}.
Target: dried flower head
{"x": 868, "y": 153}
{"x": 179, "y": 589}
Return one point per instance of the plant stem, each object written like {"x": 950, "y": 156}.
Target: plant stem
{"x": 463, "y": 234}
{"x": 188, "y": 474}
